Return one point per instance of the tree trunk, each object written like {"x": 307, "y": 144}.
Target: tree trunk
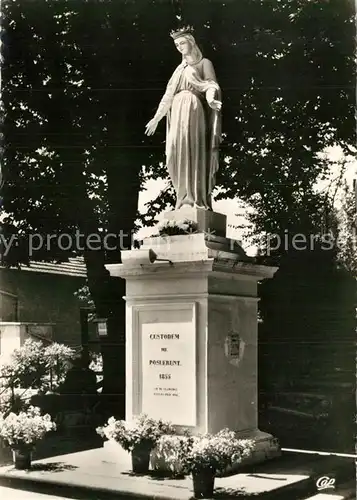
{"x": 107, "y": 292}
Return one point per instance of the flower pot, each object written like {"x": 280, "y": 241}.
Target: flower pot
{"x": 22, "y": 458}
{"x": 140, "y": 458}
{"x": 203, "y": 483}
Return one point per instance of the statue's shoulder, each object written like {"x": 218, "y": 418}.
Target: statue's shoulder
{"x": 206, "y": 64}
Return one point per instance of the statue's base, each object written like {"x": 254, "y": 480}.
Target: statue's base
{"x": 212, "y": 223}
{"x": 265, "y": 447}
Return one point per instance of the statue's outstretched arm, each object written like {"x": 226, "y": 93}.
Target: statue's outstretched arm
{"x": 166, "y": 101}
{"x": 164, "y": 105}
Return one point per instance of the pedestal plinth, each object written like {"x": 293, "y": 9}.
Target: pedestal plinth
{"x": 191, "y": 328}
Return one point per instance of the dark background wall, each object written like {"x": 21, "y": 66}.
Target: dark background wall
{"x": 307, "y": 353}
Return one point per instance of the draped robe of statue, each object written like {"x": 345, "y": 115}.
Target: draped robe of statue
{"x": 193, "y": 132}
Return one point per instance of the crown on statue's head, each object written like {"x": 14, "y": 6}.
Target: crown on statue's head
{"x": 185, "y": 30}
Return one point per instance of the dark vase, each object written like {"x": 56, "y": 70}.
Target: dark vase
{"x": 22, "y": 458}
{"x": 203, "y": 483}
{"x": 140, "y": 458}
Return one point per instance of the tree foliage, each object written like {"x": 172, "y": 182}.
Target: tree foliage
{"x": 82, "y": 78}
{"x": 347, "y": 231}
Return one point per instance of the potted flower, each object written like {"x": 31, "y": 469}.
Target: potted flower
{"x": 22, "y": 431}
{"x": 138, "y": 437}
{"x": 167, "y": 456}
{"x": 176, "y": 228}
{"x": 210, "y": 454}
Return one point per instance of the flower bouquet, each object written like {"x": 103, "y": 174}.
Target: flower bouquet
{"x": 138, "y": 436}
{"x": 22, "y": 431}
{"x": 175, "y": 228}
{"x": 210, "y": 454}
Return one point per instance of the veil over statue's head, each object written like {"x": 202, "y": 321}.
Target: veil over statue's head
{"x": 187, "y": 33}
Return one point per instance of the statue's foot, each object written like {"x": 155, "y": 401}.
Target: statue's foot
{"x": 183, "y": 204}
{"x": 203, "y": 207}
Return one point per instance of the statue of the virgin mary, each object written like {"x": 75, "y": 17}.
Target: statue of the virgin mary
{"x": 192, "y": 105}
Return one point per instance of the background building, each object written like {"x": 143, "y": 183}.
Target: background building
{"x": 39, "y": 301}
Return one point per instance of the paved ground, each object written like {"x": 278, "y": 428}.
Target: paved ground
{"x": 108, "y": 470}
{"x": 11, "y": 494}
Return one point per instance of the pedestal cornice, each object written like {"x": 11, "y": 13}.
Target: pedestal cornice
{"x": 214, "y": 267}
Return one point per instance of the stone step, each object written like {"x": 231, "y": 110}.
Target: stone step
{"x": 337, "y": 370}
{"x": 296, "y": 428}
{"x": 307, "y": 404}
{"x": 337, "y": 381}
{"x": 339, "y": 386}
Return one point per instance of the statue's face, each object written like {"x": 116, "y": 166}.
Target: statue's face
{"x": 183, "y": 45}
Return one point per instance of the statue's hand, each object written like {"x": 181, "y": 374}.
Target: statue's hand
{"x": 216, "y": 105}
{"x": 151, "y": 127}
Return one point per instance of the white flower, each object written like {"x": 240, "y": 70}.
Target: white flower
{"x": 27, "y": 427}
{"x": 161, "y": 225}
{"x": 142, "y": 429}
{"x": 172, "y": 227}
{"x": 215, "y": 451}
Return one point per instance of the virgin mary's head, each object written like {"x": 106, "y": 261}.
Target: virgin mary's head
{"x": 183, "y": 45}
{"x": 186, "y": 45}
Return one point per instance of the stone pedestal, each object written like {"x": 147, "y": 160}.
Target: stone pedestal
{"x": 191, "y": 327}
